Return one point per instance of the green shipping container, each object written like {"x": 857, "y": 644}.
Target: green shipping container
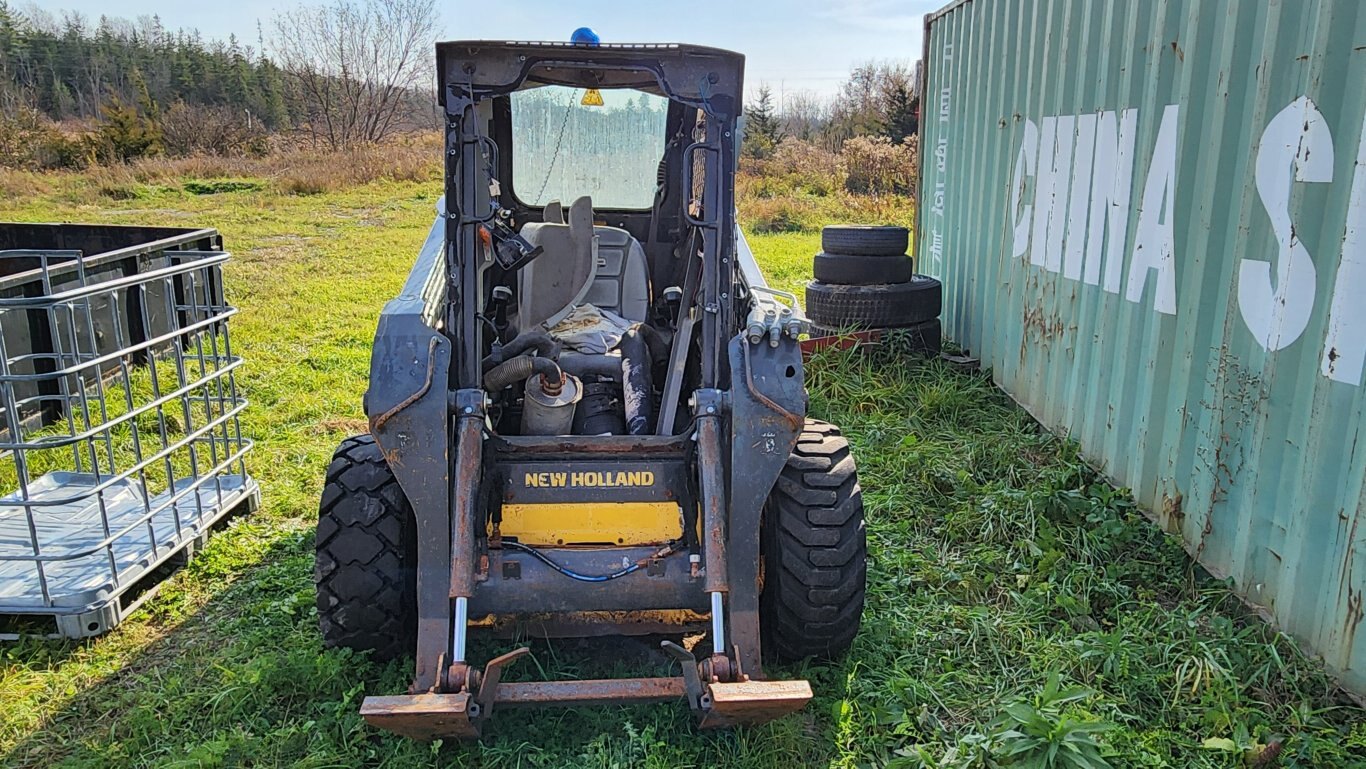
{"x": 1150, "y": 221}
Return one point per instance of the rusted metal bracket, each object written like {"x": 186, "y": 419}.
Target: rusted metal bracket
{"x": 422, "y": 716}
{"x": 377, "y": 423}
{"x": 692, "y": 681}
{"x": 493, "y": 673}
{"x": 753, "y": 702}
{"x": 432, "y": 716}
{"x": 761, "y": 438}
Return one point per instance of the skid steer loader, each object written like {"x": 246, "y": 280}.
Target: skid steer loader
{"x": 587, "y": 410}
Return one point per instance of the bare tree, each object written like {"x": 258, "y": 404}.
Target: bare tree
{"x": 358, "y": 64}
{"x": 804, "y": 113}
{"x": 874, "y": 97}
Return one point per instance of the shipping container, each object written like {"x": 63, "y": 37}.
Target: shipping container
{"x": 1150, "y": 221}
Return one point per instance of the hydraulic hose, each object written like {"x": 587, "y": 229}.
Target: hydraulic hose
{"x": 637, "y": 387}
{"x": 591, "y": 364}
{"x": 659, "y": 349}
{"x": 566, "y": 571}
{"x": 519, "y": 369}
{"x": 664, "y": 552}
{"x": 545, "y": 345}
{"x": 610, "y": 366}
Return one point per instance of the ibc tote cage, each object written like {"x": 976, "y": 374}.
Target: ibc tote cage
{"x": 121, "y": 442}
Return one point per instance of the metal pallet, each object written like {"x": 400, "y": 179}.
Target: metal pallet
{"x": 121, "y": 444}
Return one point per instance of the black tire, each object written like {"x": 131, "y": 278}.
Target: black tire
{"x": 854, "y": 270}
{"x": 365, "y": 566}
{"x": 865, "y": 239}
{"x": 925, "y": 339}
{"x": 894, "y": 305}
{"x": 815, "y": 550}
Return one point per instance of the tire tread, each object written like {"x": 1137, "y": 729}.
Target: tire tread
{"x": 364, "y": 565}
{"x": 865, "y": 239}
{"x": 893, "y": 305}
{"x": 815, "y": 550}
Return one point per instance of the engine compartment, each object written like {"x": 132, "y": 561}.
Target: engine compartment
{"x": 579, "y": 343}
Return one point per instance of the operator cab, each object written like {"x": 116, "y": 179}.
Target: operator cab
{"x": 591, "y": 259}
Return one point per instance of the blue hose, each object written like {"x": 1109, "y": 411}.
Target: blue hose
{"x": 543, "y": 558}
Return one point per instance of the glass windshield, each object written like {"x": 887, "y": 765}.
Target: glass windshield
{"x": 563, "y": 149}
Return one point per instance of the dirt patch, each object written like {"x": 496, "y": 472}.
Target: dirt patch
{"x": 344, "y": 425}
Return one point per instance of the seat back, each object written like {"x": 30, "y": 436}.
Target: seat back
{"x": 622, "y": 283}
{"x": 554, "y": 283}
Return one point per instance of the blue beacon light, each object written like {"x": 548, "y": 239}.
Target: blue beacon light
{"x": 584, "y": 36}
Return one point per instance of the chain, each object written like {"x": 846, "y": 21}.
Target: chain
{"x": 558, "y": 142}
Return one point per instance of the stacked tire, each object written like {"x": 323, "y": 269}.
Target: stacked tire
{"x": 865, "y": 280}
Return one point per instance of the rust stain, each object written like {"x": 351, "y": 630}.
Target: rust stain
{"x": 1354, "y": 606}
{"x": 1044, "y": 327}
{"x": 591, "y": 692}
{"x": 1355, "y": 612}
{"x": 1204, "y": 535}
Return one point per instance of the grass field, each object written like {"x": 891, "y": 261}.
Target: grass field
{"x": 1016, "y": 602}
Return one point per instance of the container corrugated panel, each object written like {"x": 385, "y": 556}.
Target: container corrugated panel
{"x": 1150, "y": 220}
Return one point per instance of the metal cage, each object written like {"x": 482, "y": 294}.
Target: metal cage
{"x": 121, "y": 443}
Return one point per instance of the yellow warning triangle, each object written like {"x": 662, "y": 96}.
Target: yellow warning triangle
{"x": 591, "y": 98}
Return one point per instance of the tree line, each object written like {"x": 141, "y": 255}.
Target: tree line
{"x": 338, "y": 73}
{"x": 70, "y": 68}
{"x": 878, "y": 99}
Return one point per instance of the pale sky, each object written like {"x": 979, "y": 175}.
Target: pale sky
{"x": 793, "y": 45}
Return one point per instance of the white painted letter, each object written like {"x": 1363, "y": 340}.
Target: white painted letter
{"x": 1082, "y": 196}
{"x": 1024, "y": 170}
{"x": 1344, "y": 348}
{"x": 1153, "y": 242}
{"x": 1297, "y": 141}
{"x": 1114, "y": 169}
{"x": 1062, "y": 184}
{"x": 1045, "y": 178}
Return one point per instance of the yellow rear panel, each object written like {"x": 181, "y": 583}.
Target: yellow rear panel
{"x": 593, "y": 523}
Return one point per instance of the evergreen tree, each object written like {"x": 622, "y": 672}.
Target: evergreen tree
{"x": 126, "y": 133}
{"x": 66, "y": 68}
{"x": 270, "y": 103}
{"x": 763, "y": 128}
{"x": 902, "y": 120}
{"x": 9, "y": 42}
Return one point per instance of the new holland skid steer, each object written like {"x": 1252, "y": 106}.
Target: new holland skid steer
{"x": 588, "y": 418}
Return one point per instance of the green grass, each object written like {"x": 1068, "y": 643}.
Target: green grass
{"x": 786, "y": 258}
{"x": 1015, "y": 600}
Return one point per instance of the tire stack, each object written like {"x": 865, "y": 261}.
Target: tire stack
{"x": 865, "y": 280}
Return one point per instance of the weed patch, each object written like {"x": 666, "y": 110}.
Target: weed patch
{"x": 219, "y": 186}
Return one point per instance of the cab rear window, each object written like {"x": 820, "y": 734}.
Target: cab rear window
{"x": 563, "y": 148}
